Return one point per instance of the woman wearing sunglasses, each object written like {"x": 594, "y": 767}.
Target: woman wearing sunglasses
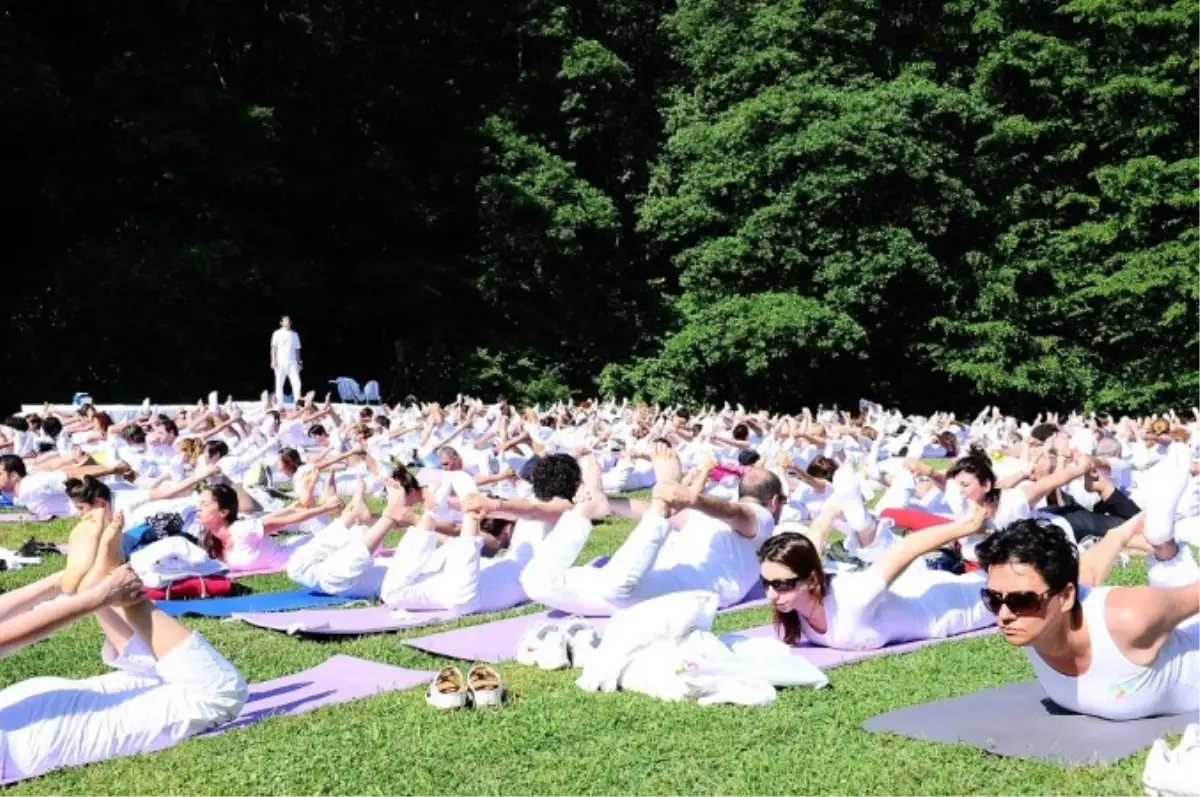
{"x": 1114, "y": 652}
{"x": 889, "y": 602}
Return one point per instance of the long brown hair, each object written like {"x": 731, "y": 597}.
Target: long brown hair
{"x": 797, "y": 553}
{"x": 227, "y": 501}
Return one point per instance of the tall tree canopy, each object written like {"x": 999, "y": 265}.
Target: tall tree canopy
{"x": 773, "y": 201}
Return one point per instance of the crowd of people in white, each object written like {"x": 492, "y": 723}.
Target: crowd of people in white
{"x": 1020, "y": 529}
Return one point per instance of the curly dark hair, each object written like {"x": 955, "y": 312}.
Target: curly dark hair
{"x": 1042, "y": 546}
{"x": 555, "y": 476}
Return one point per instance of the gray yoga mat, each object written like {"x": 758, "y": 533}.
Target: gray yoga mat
{"x": 1019, "y": 721}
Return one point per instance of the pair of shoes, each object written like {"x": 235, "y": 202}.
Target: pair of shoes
{"x": 482, "y": 688}
{"x": 552, "y": 646}
{"x": 1173, "y": 772}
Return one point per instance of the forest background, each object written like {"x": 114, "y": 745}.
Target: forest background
{"x": 778, "y": 202}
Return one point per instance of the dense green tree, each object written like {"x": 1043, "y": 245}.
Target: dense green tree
{"x": 773, "y": 201}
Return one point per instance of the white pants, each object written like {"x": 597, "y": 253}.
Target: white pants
{"x": 291, "y": 372}
{"x": 148, "y": 705}
{"x": 464, "y": 583}
{"x": 336, "y": 561}
{"x": 629, "y": 577}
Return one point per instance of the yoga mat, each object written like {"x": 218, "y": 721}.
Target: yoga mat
{"x": 914, "y": 519}
{"x": 497, "y": 641}
{"x": 341, "y": 679}
{"x": 345, "y": 622}
{"x": 264, "y": 602}
{"x": 827, "y": 658}
{"x": 1019, "y": 721}
{"x": 17, "y": 517}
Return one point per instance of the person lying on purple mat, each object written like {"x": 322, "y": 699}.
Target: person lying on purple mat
{"x": 170, "y": 683}
{"x": 1119, "y": 653}
{"x": 684, "y": 541}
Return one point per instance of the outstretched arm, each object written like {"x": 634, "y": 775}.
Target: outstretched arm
{"x": 917, "y": 544}
{"x": 32, "y": 616}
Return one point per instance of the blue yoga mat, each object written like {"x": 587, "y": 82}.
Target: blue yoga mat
{"x": 264, "y": 602}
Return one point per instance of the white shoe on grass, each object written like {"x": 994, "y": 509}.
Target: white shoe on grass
{"x": 1174, "y": 772}
{"x": 582, "y": 640}
{"x": 448, "y": 691}
{"x": 531, "y": 642}
{"x": 486, "y": 686}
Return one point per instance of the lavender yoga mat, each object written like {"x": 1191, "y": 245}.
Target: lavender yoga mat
{"x": 827, "y": 658}
{"x": 1019, "y": 721}
{"x": 341, "y": 679}
{"x": 17, "y": 517}
{"x": 497, "y": 641}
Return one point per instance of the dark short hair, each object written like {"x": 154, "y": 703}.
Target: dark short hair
{"x": 1041, "y": 545}
{"x": 555, "y": 476}
{"x": 11, "y": 463}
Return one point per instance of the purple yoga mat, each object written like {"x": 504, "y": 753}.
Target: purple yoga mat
{"x": 497, "y": 641}
{"x": 827, "y": 658}
{"x": 341, "y": 679}
{"x": 345, "y": 622}
{"x": 17, "y": 517}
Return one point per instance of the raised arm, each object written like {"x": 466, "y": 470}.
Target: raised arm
{"x": 515, "y": 508}
{"x": 917, "y": 544}
{"x": 1142, "y": 617}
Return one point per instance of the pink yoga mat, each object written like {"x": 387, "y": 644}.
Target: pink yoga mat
{"x": 827, "y": 658}
{"x": 497, "y": 641}
{"x": 341, "y": 679}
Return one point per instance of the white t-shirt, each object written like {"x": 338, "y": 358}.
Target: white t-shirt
{"x": 1013, "y": 506}
{"x": 724, "y": 561}
{"x": 45, "y": 495}
{"x": 862, "y": 613}
{"x": 285, "y": 343}
{"x": 253, "y": 549}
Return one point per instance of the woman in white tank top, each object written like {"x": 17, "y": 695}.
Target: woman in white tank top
{"x": 977, "y": 481}
{"x": 1114, "y": 652}
{"x": 887, "y": 603}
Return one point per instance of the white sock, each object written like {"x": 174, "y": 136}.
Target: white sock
{"x": 1167, "y": 483}
{"x": 849, "y": 497}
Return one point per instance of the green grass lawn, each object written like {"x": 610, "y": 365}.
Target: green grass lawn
{"x": 551, "y": 737}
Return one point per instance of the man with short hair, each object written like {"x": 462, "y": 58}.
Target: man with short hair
{"x": 285, "y": 358}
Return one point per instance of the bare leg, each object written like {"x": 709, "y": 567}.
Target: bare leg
{"x": 82, "y": 547}
{"x": 110, "y": 553}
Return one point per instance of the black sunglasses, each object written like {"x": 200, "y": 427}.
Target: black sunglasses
{"x": 781, "y": 585}
{"x": 1023, "y": 603}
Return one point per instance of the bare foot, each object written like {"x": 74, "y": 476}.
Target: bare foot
{"x": 667, "y": 469}
{"x": 110, "y": 553}
{"x": 82, "y": 547}
{"x": 358, "y": 512}
{"x": 397, "y": 504}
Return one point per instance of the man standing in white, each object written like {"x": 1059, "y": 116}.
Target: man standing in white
{"x": 285, "y": 358}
